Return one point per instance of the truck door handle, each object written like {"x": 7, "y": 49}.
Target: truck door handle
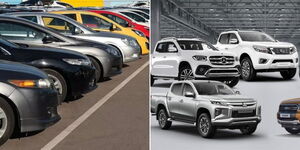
{"x": 164, "y": 56}
{"x": 169, "y": 98}
{"x": 181, "y": 101}
{"x": 226, "y": 48}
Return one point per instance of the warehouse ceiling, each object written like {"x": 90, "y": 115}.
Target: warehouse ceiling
{"x": 279, "y": 18}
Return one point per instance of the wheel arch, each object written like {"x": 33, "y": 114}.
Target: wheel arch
{"x": 202, "y": 110}
{"x": 159, "y": 107}
{"x": 100, "y": 64}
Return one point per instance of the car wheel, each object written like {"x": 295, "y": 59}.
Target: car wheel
{"x": 248, "y": 130}
{"x": 162, "y": 117}
{"x": 293, "y": 130}
{"x": 204, "y": 126}
{"x": 233, "y": 82}
{"x": 152, "y": 80}
{"x": 7, "y": 121}
{"x": 98, "y": 71}
{"x": 59, "y": 84}
{"x": 186, "y": 73}
{"x": 288, "y": 74}
{"x": 248, "y": 73}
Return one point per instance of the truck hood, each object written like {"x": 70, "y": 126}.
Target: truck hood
{"x": 230, "y": 98}
{"x": 210, "y": 52}
{"x": 291, "y": 101}
{"x": 271, "y": 44}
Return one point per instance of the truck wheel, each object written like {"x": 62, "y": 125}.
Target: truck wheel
{"x": 185, "y": 73}
{"x": 163, "y": 119}
{"x": 59, "y": 84}
{"x": 293, "y": 130}
{"x": 7, "y": 121}
{"x": 98, "y": 71}
{"x": 204, "y": 126}
{"x": 248, "y": 73}
{"x": 233, "y": 82}
{"x": 248, "y": 130}
{"x": 152, "y": 80}
{"x": 288, "y": 74}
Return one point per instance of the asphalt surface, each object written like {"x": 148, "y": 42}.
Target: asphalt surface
{"x": 269, "y": 90}
{"x": 122, "y": 122}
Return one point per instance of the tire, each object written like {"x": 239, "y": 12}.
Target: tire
{"x": 248, "y": 73}
{"x": 185, "y": 73}
{"x": 233, "y": 82}
{"x": 288, "y": 74}
{"x": 248, "y": 130}
{"x": 59, "y": 83}
{"x": 162, "y": 118}
{"x": 98, "y": 72}
{"x": 204, "y": 126}
{"x": 152, "y": 80}
{"x": 292, "y": 131}
{"x": 8, "y": 121}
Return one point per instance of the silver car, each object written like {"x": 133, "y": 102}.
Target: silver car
{"x": 106, "y": 59}
{"x": 128, "y": 46}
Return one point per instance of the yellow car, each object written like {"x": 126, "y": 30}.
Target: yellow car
{"x": 100, "y": 23}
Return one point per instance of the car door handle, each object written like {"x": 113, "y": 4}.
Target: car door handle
{"x": 181, "y": 101}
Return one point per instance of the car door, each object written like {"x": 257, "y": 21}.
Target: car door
{"x": 187, "y": 103}
{"x": 173, "y": 100}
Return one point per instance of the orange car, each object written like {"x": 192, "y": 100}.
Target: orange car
{"x": 289, "y": 115}
{"x": 99, "y": 22}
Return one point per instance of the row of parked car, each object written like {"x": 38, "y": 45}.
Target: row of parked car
{"x": 68, "y": 52}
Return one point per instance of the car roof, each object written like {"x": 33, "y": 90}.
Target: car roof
{"x": 197, "y": 81}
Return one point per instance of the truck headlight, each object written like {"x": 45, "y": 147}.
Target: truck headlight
{"x": 79, "y": 62}
{"x": 200, "y": 58}
{"x": 293, "y": 50}
{"x": 41, "y": 83}
{"x": 218, "y": 103}
{"x": 139, "y": 33}
{"x": 262, "y": 49}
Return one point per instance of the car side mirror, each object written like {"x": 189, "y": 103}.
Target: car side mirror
{"x": 172, "y": 49}
{"x": 77, "y": 31}
{"x": 189, "y": 94}
{"x": 237, "y": 92}
{"x": 48, "y": 39}
{"x": 233, "y": 41}
{"x": 113, "y": 27}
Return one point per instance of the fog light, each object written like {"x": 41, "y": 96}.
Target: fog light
{"x": 218, "y": 112}
{"x": 263, "y": 60}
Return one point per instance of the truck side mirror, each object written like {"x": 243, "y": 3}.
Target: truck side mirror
{"x": 189, "y": 94}
{"x": 233, "y": 41}
{"x": 237, "y": 92}
{"x": 172, "y": 49}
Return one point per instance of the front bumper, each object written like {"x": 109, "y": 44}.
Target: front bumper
{"x": 216, "y": 72}
{"x": 275, "y": 62}
{"x": 37, "y": 108}
{"x": 291, "y": 122}
{"x": 236, "y": 122}
{"x": 131, "y": 54}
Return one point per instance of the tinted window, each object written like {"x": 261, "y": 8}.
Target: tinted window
{"x": 188, "y": 88}
{"x": 117, "y": 19}
{"x": 142, "y": 14}
{"x": 194, "y": 45}
{"x": 256, "y": 37}
{"x": 177, "y": 89}
{"x": 134, "y": 16}
{"x": 95, "y": 22}
{"x": 163, "y": 47}
{"x": 30, "y": 18}
{"x": 224, "y": 39}
{"x": 59, "y": 25}
{"x": 213, "y": 88}
{"x": 72, "y": 16}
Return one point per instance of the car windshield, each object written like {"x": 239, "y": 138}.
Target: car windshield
{"x": 256, "y": 37}
{"x": 195, "y": 45}
{"x": 213, "y": 88}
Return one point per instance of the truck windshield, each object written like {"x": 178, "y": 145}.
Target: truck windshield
{"x": 195, "y": 45}
{"x": 251, "y": 36}
{"x": 213, "y": 88}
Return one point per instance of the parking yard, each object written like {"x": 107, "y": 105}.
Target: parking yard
{"x": 119, "y": 122}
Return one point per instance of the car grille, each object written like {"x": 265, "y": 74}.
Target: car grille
{"x": 236, "y": 114}
{"x": 221, "y": 60}
{"x": 288, "y": 108}
{"x": 281, "y": 51}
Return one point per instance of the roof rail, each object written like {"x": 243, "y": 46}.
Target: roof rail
{"x": 169, "y": 38}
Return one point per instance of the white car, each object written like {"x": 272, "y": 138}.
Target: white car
{"x": 259, "y": 52}
{"x": 187, "y": 59}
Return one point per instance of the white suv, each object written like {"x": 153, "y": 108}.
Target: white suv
{"x": 259, "y": 52}
{"x": 186, "y": 59}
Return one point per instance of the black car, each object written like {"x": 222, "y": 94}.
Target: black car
{"x": 70, "y": 71}
{"x": 28, "y": 100}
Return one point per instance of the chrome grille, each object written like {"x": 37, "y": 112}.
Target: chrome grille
{"x": 221, "y": 60}
{"x": 281, "y": 51}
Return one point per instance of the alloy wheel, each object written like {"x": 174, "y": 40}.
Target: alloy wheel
{"x": 57, "y": 83}
{"x": 204, "y": 125}
{"x": 246, "y": 69}
{"x": 3, "y": 122}
{"x": 187, "y": 74}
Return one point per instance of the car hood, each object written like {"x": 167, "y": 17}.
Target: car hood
{"x": 291, "y": 101}
{"x": 230, "y": 98}
{"x": 106, "y": 34}
{"x": 272, "y": 44}
{"x": 88, "y": 43}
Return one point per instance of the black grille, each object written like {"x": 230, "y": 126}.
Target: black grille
{"x": 221, "y": 60}
{"x": 282, "y": 60}
{"x": 288, "y": 108}
{"x": 281, "y": 51}
{"x": 202, "y": 69}
{"x": 236, "y": 114}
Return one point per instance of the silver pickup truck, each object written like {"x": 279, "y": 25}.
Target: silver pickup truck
{"x": 208, "y": 104}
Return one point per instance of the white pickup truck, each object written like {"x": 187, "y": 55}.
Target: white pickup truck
{"x": 208, "y": 104}
{"x": 259, "y": 52}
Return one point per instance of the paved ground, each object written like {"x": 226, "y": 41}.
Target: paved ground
{"x": 120, "y": 123}
{"x": 269, "y": 89}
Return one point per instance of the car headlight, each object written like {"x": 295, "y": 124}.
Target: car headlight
{"x": 42, "y": 83}
{"x": 113, "y": 51}
{"x": 79, "y": 62}
{"x": 262, "y": 49}
{"x": 293, "y": 50}
{"x": 200, "y": 58}
{"x": 218, "y": 103}
{"x": 130, "y": 42}
{"x": 139, "y": 33}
